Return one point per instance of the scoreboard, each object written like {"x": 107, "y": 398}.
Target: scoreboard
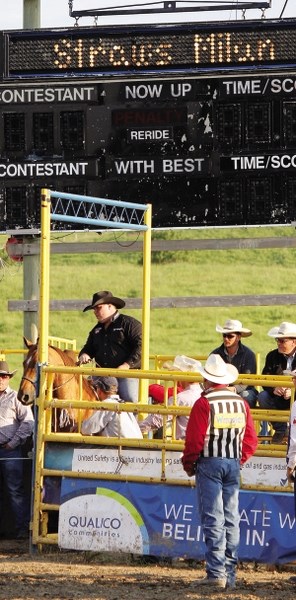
{"x": 198, "y": 120}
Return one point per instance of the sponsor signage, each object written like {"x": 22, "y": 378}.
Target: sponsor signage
{"x": 164, "y": 521}
{"x": 267, "y": 471}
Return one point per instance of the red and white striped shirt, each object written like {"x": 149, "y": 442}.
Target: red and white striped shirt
{"x": 220, "y": 425}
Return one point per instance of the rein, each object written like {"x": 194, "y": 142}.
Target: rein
{"x": 62, "y": 384}
{"x": 94, "y": 391}
{"x": 34, "y": 383}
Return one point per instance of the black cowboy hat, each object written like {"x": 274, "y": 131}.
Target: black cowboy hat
{"x": 4, "y": 369}
{"x": 105, "y": 297}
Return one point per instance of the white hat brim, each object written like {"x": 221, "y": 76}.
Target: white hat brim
{"x": 275, "y": 333}
{"x": 244, "y": 332}
{"x": 229, "y": 377}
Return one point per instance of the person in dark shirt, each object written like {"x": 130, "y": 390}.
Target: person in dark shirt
{"x": 276, "y": 362}
{"x": 114, "y": 342}
{"x": 234, "y": 352}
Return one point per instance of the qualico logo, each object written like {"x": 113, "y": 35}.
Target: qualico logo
{"x": 102, "y": 520}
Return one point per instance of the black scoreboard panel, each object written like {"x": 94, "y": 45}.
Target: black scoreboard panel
{"x": 204, "y": 151}
{"x": 206, "y": 148}
{"x": 149, "y": 48}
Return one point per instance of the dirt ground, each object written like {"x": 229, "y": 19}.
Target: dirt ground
{"x": 61, "y": 575}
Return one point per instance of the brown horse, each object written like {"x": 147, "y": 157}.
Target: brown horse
{"x": 65, "y": 386}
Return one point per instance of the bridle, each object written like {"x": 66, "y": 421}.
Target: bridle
{"x": 33, "y": 383}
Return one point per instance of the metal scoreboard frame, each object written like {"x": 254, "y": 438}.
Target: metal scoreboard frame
{"x": 199, "y": 120}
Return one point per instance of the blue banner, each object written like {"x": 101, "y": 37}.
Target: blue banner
{"x": 163, "y": 520}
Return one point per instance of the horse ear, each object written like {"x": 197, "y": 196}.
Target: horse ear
{"x": 28, "y": 343}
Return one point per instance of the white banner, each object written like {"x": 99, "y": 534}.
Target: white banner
{"x": 259, "y": 471}
{"x": 128, "y": 462}
{"x": 264, "y": 471}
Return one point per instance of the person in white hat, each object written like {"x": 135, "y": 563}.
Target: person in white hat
{"x": 114, "y": 342}
{"x": 234, "y": 352}
{"x": 16, "y": 426}
{"x": 190, "y": 392}
{"x": 278, "y": 360}
{"x": 220, "y": 437}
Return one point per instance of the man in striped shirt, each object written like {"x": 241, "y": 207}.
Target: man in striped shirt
{"x": 16, "y": 425}
{"x": 220, "y": 437}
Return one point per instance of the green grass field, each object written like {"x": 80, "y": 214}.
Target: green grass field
{"x": 196, "y": 273}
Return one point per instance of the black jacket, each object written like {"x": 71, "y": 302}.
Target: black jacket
{"x": 275, "y": 364}
{"x": 244, "y": 360}
{"x": 120, "y": 342}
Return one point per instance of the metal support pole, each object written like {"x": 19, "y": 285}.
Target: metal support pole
{"x": 31, "y": 290}
{"x": 143, "y": 387}
{"x": 44, "y": 277}
{"x": 43, "y": 359}
{"x": 31, "y": 14}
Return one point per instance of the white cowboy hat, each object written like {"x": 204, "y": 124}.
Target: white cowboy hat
{"x": 182, "y": 363}
{"x": 233, "y": 326}
{"x": 285, "y": 329}
{"x": 218, "y": 371}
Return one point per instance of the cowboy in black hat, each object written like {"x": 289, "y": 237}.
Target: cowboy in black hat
{"x": 115, "y": 342}
{"x": 16, "y": 425}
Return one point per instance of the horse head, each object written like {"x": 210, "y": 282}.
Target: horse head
{"x": 65, "y": 386}
{"x": 28, "y": 385}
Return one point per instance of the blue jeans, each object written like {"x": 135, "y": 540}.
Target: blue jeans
{"x": 128, "y": 389}
{"x": 217, "y": 483}
{"x": 11, "y": 478}
{"x": 250, "y": 395}
{"x": 272, "y": 402}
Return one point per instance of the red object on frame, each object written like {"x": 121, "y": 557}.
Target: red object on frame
{"x": 10, "y": 246}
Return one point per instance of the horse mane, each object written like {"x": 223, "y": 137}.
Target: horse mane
{"x": 65, "y": 356}
{"x": 69, "y": 361}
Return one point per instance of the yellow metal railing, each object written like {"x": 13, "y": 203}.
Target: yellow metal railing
{"x": 168, "y": 443}
{"x": 47, "y": 404}
{"x": 59, "y": 342}
{"x": 62, "y": 343}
